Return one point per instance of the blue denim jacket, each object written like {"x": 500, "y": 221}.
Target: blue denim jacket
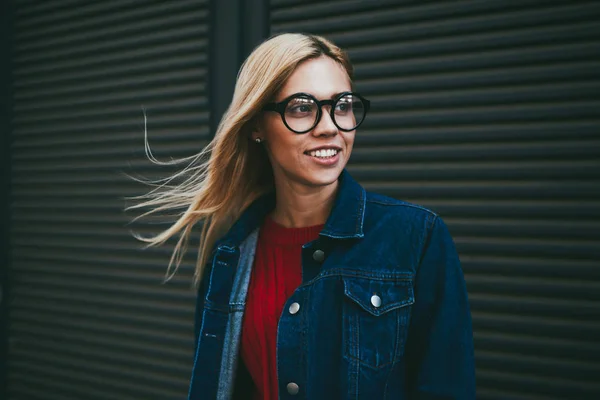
{"x": 383, "y": 308}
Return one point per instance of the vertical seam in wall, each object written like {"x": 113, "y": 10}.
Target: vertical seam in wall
{"x": 6, "y": 107}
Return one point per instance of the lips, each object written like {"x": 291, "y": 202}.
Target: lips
{"x": 323, "y": 152}
{"x": 327, "y": 157}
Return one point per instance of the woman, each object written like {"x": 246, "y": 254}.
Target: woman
{"x": 310, "y": 286}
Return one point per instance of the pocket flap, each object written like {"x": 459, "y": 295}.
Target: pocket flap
{"x": 390, "y": 294}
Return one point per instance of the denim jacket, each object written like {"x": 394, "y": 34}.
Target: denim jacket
{"x": 383, "y": 310}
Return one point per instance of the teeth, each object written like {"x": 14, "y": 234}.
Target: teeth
{"x": 324, "y": 153}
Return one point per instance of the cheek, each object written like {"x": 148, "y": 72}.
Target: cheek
{"x": 274, "y": 129}
{"x": 283, "y": 145}
{"x": 349, "y": 139}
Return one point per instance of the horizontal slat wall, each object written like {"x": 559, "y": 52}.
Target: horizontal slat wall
{"x": 488, "y": 112}
{"x": 89, "y": 315}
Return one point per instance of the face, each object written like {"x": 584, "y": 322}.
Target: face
{"x": 315, "y": 158}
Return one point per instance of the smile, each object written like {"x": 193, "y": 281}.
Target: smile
{"x": 323, "y": 153}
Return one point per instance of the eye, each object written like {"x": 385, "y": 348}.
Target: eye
{"x": 343, "y": 106}
{"x": 300, "y": 107}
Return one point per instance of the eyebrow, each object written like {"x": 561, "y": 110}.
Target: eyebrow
{"x": 332, "y": 96}
{"x": 337, "y": 94}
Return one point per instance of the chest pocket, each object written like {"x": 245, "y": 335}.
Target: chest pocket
{"x": 376, "y": 317}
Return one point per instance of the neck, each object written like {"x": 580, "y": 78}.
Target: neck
{"x": 300, "y": 206}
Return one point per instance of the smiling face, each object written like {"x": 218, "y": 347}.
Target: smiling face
{"x": 316, "y": 158}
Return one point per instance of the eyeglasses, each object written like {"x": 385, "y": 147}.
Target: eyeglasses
{"x": 301, "y": 112}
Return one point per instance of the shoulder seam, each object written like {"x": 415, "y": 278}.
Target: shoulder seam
{"x": 429, "y": 227}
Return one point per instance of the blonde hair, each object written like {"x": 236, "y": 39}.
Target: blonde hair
{"x": 229, "y": 174}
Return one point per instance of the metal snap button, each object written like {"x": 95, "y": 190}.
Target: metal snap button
{"x": 293, "y": 388}
{"x": 294, "y": 307}
{"x": 376, "y": 301}
{"x": 319, "y": 255}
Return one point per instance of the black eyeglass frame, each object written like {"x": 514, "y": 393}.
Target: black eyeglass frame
{"x": 282, "y": 105}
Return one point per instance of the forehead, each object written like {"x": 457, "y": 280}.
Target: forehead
{"x": 322, "y": 77}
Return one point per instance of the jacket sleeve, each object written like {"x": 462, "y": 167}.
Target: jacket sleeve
{"x": 439, "y": 350}
{"x": 243, "y": 380}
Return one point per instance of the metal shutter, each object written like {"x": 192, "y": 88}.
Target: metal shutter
{"x": 488, "y": 113}
{"x": 89, "y": 315}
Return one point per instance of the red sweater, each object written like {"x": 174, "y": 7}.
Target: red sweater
{"x": 276, "y": 274}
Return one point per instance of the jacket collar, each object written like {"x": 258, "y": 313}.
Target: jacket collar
{"x": 348, "y": 212}
{"x": 345, "y": 221}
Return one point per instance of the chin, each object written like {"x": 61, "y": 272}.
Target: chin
{"x": 322, "y": 178}
{"x": 310, "y": 175}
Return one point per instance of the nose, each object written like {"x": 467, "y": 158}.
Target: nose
{"x": 325, "y": 127}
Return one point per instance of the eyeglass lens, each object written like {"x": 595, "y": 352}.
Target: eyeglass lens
{"x": 301, "y": 113}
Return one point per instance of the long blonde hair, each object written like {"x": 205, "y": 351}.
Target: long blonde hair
{"x": 230, "y": 173}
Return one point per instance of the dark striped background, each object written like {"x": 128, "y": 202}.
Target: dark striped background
{"x": 485, "y": 111}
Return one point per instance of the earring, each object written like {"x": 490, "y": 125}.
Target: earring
{"x": 258, "y": 140}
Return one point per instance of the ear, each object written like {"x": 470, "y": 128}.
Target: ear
{"x": 256, "y": 130}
